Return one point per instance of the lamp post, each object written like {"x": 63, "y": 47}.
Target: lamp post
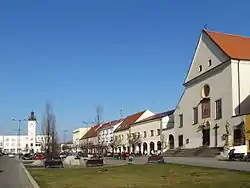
{"x": 18, "y": 132}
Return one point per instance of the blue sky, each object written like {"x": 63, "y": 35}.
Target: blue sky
{"x": 77, "y": 54}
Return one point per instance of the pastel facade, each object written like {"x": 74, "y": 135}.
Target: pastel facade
{"x": 122, "y": 133}
{"x": 151, "y": 132}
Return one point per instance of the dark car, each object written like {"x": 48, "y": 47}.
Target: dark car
{"x": 26, "y": 157}
{"x": 53, "y": 163}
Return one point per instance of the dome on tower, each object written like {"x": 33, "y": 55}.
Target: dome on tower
{"x": 32, "y": 116}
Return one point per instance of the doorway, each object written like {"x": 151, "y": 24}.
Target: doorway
{"x": 206, "y": 137}
{"x": 171, "y": 141}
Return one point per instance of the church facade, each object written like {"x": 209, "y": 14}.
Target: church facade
{"x": 216, "y": 93}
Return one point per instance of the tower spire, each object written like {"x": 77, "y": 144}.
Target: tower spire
{"x": 32, "y": 116}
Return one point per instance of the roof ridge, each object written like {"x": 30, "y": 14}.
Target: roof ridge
{"x": 230, "y": 34}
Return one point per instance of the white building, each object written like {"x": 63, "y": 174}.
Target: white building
{"x": 150, "y": 132}
{"x": 106, "y": 132}
{"x": 78, "y": 134}
{"x": 24, "y": 143}
{"x": 217, "y": 88}
{"x": 122, "y": 133}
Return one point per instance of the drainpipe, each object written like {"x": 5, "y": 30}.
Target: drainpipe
{"x": 238, "y": 71}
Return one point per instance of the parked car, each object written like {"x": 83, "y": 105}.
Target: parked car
{"x": 11, "y": 155}
{"x": 27, "y": 156}
{"x": 63, "y": 155}
{"x": 39, "y": 157}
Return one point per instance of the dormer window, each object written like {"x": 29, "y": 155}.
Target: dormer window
{"x": 200, "y": 68}
{"x": 209, "y": 62}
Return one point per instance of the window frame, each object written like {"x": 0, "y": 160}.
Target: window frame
{"x": 218, "y": 102}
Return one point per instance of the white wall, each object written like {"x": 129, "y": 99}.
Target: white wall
{"x": 123, "y": 135}
{"x": 219, "y": 78}
{"x": 32, "y": 134}
{"x": 140, "y": 128}
{"x": 10, "y": 142}
{"x": 78, "y": 134}
{"x": 206, "y": 49}
{"x": 107, "y": 134}
{"x": 146, "y": 114}
{"x": 240, "y": 87}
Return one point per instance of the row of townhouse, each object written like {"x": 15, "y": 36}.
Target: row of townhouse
{"x": 214, "y": 106}
{"x": 142, "y": 132}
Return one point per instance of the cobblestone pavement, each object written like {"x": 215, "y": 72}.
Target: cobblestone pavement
{"x": 11, "y": 175}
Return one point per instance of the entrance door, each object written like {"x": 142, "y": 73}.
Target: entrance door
{"x": 206, "y": 137}
{"x": 171, "y": 141}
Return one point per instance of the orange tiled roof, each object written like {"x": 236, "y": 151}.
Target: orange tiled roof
{"x": 128, "y": 121}
{"x": 92, "y": 132}
{"x": 110, "y": 124}
{"x": 235, "y": 46}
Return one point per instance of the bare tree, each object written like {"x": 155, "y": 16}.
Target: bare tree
{"x": 99, "y": 120}
{"x": 134, "y": 140}
{"x": 115, "y": 143}
{"x": 49, "y": 129}
{"x": 86, "y": 145}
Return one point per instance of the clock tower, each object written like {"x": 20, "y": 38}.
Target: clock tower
{"x": 32, "y": 131}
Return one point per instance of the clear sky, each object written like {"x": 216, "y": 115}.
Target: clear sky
{"x": 77, "y": 54}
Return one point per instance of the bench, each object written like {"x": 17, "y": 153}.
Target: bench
{"x": 156, "y": 159}
{"x": 94, "y": 162}
{"x": 53, "y": 164}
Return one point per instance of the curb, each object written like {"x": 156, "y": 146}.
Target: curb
{"x": 31, "y": 179}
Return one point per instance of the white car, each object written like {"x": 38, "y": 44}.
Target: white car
{"x": 11, "y": 155}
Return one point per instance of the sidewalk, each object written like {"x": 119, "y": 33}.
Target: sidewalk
{"x": 12, "y": 175}
{"x": 209, "y": 162}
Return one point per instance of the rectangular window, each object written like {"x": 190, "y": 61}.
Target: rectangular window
{"x": 181, "y": 120}
{"x": 158, "y": 132}
{"x": 152, "y": 132}
{"x": 205, "y": 106}
{"x": 139, "y": 135}
{"x": 218, "y": 109}
{"x": 195, "y": 111}
{"x": 145, "y": 134}
{"x": 180, "y": 140}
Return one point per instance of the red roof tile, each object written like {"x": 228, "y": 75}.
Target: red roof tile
{"x": 92, "y": 132}
{"x": 128, "y": 121}
{"x": 235, "y": 46}
{"x": 111, "y": 124}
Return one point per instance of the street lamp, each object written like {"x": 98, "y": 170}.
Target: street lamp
{"x": 19, "y": 132}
